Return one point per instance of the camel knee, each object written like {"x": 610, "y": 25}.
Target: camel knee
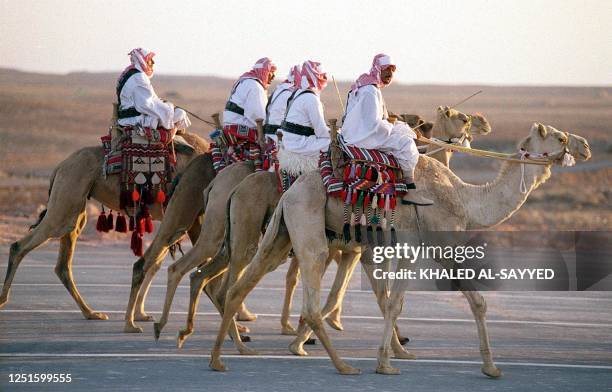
{"x": 479, "y": 305}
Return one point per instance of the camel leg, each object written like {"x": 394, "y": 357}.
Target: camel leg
{"x": 266, "y": 260}
{"x": 346, "y": 266}
{"x": 63, "y": 269}
{"x": 311, "y": 283}
{"x": 140, "y": 314}
{"x": 291, "y": 279}
{"x": 197, "y": 281}
{"x": 18, "y": 251}
{"x": 382, "y": 296}
{"x": 479, "y": 309}
{"x": 176, "y": 271}
{"x": 56, "y": 223}
{"x": 393, "y": 309}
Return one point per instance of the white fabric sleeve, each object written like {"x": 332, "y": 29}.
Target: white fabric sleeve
{"x": 370, "y": 116}
{"x": 148, "y": 103}
{"x": 315, "y": 115}
{"x": 256, "y": 101}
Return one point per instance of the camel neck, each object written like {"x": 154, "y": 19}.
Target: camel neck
{"x": 491, "y": 204}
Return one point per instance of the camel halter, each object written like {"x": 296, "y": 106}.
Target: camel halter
{"x": 522, "y": 156}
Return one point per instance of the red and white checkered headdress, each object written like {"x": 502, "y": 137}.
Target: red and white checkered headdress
{"x": 381, "y": 61}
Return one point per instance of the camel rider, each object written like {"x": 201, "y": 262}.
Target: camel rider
{"x": 247, "y": 101}
{"x": 304, "y": 130}
{"x": 277, "y": 103}
{"x": 138, "y": 103}
{"x": 366, "y": 124}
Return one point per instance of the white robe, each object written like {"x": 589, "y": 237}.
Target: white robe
{"x": 250, "y": 96}
{"x": 364, "y": 127}
{"x": 306, "y": 110}
{"x": 278, "y": 106}
{"x": 138, "y": 93}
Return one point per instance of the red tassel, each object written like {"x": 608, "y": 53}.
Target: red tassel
{"x": 391, "y": 176}
{"x": 161, "y": 197}
{"x": 393, "y": 202}
{"x": 344, "y": 193}
{"x": 132, "y": 223}
{"x": 381, "y": 201}
{"x": 347, "y": 172}
{"x": 121, "y": 224}
{"x": 136, "y": 244}
{"x": 358, "y": 172}
{"x": 110, "y": 221}
{"x": 140, "y": 226}
{"x": 101, "y": 223}
{"x": 135, "y": 195}
{"x": 149, "y": 224}
{"x": 368, "y": 175}
{"x": 354, "y": 198}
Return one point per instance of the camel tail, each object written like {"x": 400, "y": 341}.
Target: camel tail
{"x": 274, "y": 225}
{"x": 44, "y": 212}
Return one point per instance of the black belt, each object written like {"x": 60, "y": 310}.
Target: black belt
{"x": 127, "y": 113}
{"x": 232, "y": 107}
{"x": 270, "y": 129}
{"x": 297, "y": 129}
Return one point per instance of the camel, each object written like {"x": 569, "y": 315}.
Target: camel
{"x": 75, "y": 180}
{"x": 186, "y": 207}
{"x": 458, "y": 207}
{"x": 248, "y": 214}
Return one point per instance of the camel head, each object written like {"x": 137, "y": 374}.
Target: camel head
{"x": 544, "y": 139}
{"x": 580, "y": 147}
{"x": 451, "y": 124}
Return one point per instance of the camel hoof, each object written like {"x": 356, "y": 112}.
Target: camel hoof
{"x": 181, "y": 337}
{"x": 335, "y": 324}
{"x": 143, "y": 317}
{"x": 132, "y": 328}
{"x": 404, "y": 355}
{"x": 3, "y": 301}
{"x": 311, "y": 341}
{"x": 157, "y": 331}
{"x": 403, "y": 340}
{"x": 217, "y": 365}
{"x": 245, "y": 350}
{"x": 96, "y": 316}
{"x": 242, "y": 329}
{"x": 347, "y": 370}
{"x": 245, "y": 338}
{"x": 288, "y": 330}
{"x": 297, "y": 349}
{"x": 388, "y": 370}
{"x": 491, "y": 371}
{"x": 246, "y": 316}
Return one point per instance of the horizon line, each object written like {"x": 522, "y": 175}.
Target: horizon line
{"x": 216, "y": 76}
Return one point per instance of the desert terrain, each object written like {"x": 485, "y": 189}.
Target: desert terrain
{"x": 46, "y": 117}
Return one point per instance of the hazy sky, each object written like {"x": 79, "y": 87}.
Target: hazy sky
{"x": 561, "y": 42}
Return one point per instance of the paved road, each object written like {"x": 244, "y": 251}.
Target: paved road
{"x": 542, "y": 341}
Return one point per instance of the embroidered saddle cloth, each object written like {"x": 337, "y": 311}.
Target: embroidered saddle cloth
{"x": 369, "y": 188}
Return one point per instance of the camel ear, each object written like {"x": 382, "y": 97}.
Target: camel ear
{"x": 540, "y": 129}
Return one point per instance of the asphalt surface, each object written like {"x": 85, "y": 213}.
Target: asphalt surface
{"x": 541, "y": 341}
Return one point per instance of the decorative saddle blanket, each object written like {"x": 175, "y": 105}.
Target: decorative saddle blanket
{"x": 369, "y": 188}
{"x": 145, "y": 162}
{"x": 235, "y": 143}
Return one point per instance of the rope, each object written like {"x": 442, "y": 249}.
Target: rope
{"x": 487, "y": 154}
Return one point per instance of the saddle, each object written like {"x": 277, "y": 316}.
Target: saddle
{"x": 369, "y": 183}
{"x": 235, "y": 143}
{"x": 145, "y": 160}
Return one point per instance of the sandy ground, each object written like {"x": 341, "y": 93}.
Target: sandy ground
{"x": 543, "y": 341}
